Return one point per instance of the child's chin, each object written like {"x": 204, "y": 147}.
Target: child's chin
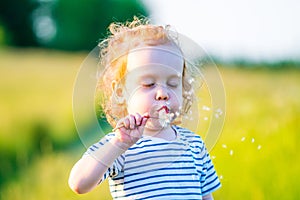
{"x": 154, "y": 125}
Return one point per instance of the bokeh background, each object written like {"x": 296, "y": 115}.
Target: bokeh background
{"x": 255, "y": 44}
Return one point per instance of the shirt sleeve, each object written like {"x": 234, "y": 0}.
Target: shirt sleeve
{"x": 209, "y": 178}
{"x": 117, "y": 165}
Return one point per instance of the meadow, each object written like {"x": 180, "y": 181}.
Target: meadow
{"x": 256, "y": 155}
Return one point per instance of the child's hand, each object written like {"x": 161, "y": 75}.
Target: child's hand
{"x": 130, "y": 129}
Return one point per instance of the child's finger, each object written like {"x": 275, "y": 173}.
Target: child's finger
{"x": 138, "y": 119}
{"x": 132, "y": 121}
{"x": 126, "y": 123}
{"x": 144, "y": 119}
{"x": 143, "y": 123}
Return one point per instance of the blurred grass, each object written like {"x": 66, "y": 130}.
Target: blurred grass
{"x": 256, "y": 156}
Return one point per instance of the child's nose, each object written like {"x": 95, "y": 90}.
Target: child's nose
{"x": 162, "y": 94}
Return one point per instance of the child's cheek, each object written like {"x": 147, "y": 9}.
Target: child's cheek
{"x": 139, "y": 103}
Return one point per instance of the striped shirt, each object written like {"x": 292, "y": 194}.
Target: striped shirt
{"x": 154, "y": 168}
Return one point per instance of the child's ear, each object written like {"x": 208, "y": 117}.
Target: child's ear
{"x": 117, "y": 89}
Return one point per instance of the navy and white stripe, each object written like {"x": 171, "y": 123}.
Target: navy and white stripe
{"x": 154, "y": 168}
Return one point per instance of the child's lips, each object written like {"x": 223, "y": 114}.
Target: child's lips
{"x": 167, "y": 110}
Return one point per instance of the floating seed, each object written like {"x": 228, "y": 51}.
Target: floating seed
{"x": 205, "y": 108}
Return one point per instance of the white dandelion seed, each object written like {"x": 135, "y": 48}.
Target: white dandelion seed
{"x": 219, "y": 111}
{"x": 191, "y": 80}
{"x": 205, "y": 108}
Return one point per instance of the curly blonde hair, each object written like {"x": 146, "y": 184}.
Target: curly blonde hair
{"x": 122, "y": 38}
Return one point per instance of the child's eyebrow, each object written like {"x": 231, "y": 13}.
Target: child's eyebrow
{"x": 152, "y": 77}
{"x": 178, "y": 75}
{"x": 146, "y": 76}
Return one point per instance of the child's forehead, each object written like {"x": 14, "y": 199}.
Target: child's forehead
{"x": 155, "y": 71}
{"x": 167, "y": 55}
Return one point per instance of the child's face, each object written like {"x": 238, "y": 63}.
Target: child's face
{"x": 154, "y": 78}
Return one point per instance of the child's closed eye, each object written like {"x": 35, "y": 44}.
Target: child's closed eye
{"x": 148, "y": 85}
{"x": 173, "y": 84}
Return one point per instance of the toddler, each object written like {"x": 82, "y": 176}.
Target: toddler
{"x": 147, "y": 89}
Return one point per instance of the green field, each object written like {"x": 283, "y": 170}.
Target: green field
{"x": 256, "y": 156}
